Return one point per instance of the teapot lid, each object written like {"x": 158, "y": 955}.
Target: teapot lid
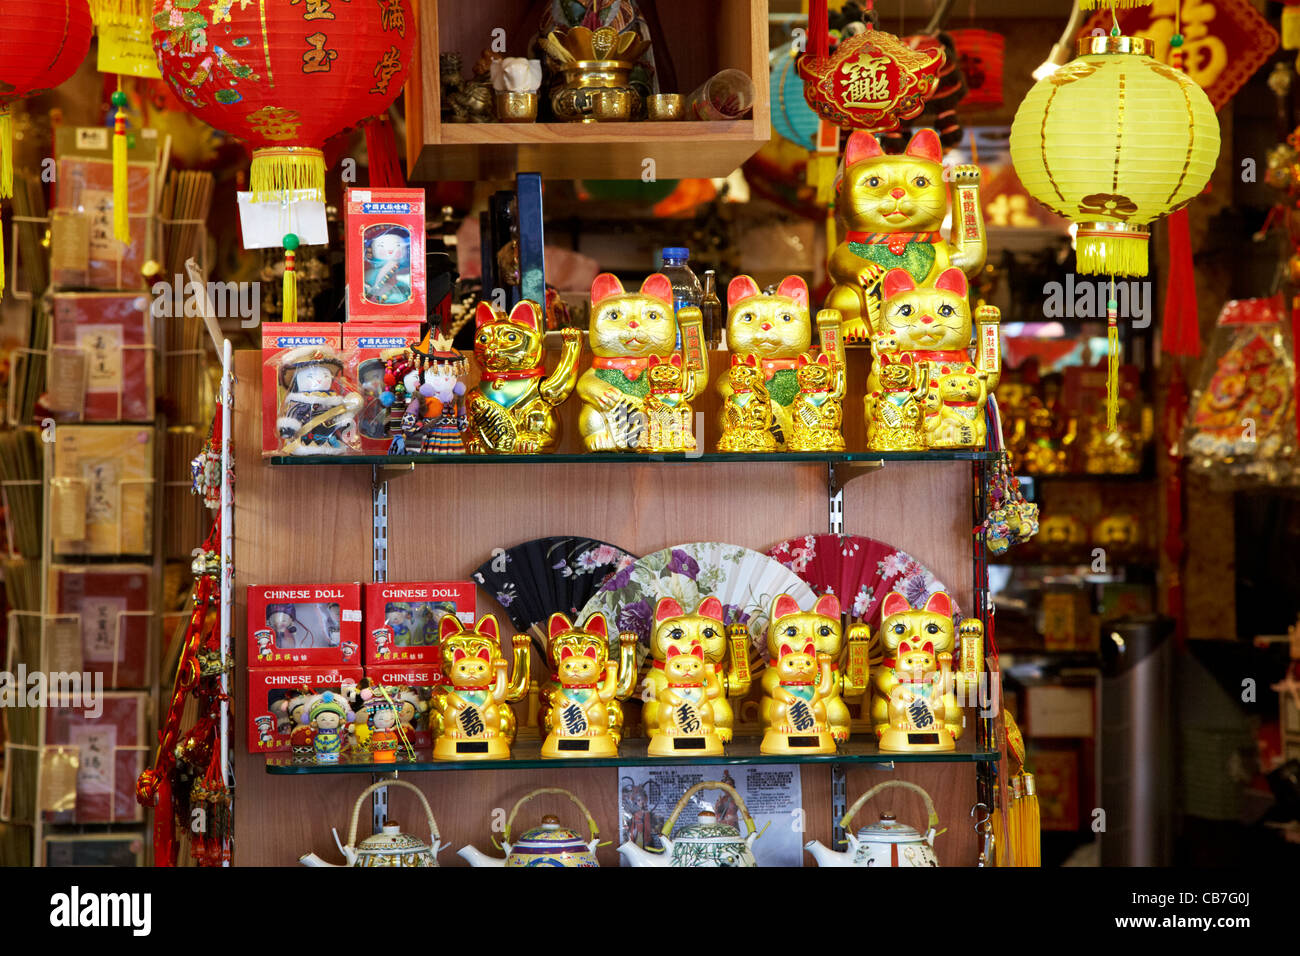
{"x": 551, "y": 834}
{"x": 391, "y": 839}
{"x": 889, "y": 830}
{"x": 707, "y": 829}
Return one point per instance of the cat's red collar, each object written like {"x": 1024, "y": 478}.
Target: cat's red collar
{"x": 772, "y": 366}
{"x": 579, "y": 686}
{"x": 940, "y": 355}
{"x": 897, "y": 241}
{"x": 493, "y": 378}
{"x": 951, "y": 404}
{"x": 798, "y": 683}
{"x": 691, "y": 684}
{"x": 629, "y": 366}
{"x": 905, "y": 678}
{"x": 472, "y": 687}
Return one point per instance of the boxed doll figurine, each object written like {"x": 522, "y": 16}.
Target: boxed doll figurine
{"x": 385, "y": 255}
{"x": 402, "y": 619}
{"x": 368, "y": 347}
{"x": 304, "y": 624}
{"x": 280, "y": 701}
{"x": 307, "y": 407}
{"x": 411, "y": 688}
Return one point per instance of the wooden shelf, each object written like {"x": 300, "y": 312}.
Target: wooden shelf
{"x": 699, "y": 39}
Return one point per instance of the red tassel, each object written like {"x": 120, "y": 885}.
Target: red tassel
{"x": 1176, "y": 405}
{"x": 1181, "y": 334}
{"x": 381, "y": 153}
{"x": 164, "y": 825}
{"x": 819, "y": 25}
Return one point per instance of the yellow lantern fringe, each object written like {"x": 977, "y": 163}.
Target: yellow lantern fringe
{"x": 2, "y": 257}
{"x": 279, "y": 172}
{"x": 1114, "y": 254}
{"x": 1291, "y": 28}
{"x": 123, "y": 12}
{"x": 1107, "y": 4}
{"x": 6, "y": 153}
{"x": 121, "y": 196}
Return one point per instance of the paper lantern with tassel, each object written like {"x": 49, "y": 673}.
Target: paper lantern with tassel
{"x": 1113, "y": 141}
{"x": 44, "y": 43}
{"x": 284, "y": 77}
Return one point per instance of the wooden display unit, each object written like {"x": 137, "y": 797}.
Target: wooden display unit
{"x": 703, "y": 37}
{"x": 314, "y": 523}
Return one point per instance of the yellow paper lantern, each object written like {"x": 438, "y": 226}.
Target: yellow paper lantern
{"x": 1113, "y": 141}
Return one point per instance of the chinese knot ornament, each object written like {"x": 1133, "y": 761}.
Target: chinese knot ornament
{"x": 1113, "y": 141}
{"x": 44, "y": 45}
{"x": 284, "y": 77}
{"x": 871, "y": 82}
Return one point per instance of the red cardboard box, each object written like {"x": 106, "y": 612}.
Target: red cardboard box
{"x": 402, "y": 618}
{"x": 385, "y": 255}
{"x": 108, "y": 614}
{"x": 278, "y": 702}
{"x": 278, "y": 340}
{"x": 295, "y": 624}
{"x": 366, "y": 347}
{"x": 411, "y": 686}
{"x": 99, "y": 757}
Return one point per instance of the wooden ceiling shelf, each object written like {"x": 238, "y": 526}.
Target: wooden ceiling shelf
{"x": 701, "y": 38}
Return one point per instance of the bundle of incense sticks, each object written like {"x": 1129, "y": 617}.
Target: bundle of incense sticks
{"x": 185, "y": 512}
{"x": 184, "y": 205}
{"x": 22, "y": 469}
{"x": 28, "y": 371}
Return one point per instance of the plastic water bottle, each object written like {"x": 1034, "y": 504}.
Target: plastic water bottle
{"x": 686, "y": 287}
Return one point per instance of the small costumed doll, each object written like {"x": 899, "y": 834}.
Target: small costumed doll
{"x": 443, "y": 395}
{"x": 383, "y": 720}
{"x": 329, "y": 716}
{"x": 318, "y": 415}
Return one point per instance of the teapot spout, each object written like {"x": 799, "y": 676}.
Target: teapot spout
{"x": 477, "y": 857}
{"x": 311, "y": 859}
{"x": 639, "y": 856}
{"x": 825, "y": 856}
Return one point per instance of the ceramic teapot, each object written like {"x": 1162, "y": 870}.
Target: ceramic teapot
{"x": 550, "y": 844}
{"x": 390, "y": 846}
{"x": 886, "y": 843}
{"x": 705, "y": 843}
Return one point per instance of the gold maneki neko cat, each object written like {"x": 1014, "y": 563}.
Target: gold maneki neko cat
{"x": 893, "y": 207}
{"x": 927, "y": 331}
{"x": 628, "y": 329}
{"x": 580, "y": 711}
{"x": 816, "y": 418}
{"x": 470, "y": 714}
{"x": 726, "y": 661}
{"x": 512, "y": 409}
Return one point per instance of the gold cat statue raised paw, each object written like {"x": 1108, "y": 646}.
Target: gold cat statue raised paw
{"x": 512, "y": 409}
{"x": 893, "y": 207}
{"x": 747, "y": 418}
{"x": 470, "y": 714}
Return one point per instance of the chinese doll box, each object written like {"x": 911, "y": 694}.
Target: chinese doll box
{"x": 101, "y": 365}
{"x": 279, "y": 699}
{"x": 277, "y": 339}
{"x": 385, "y": 252}
{"x": 367, "y": 346}
{"x": 101, "y": 621}
{"x": 314, "y": 625}
{"x": 402, "y": 619}
{"x": 101, "y": 495}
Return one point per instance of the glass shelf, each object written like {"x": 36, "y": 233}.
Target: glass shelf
{"x": 631, "y": 458}
{"x": 527, "y": 756}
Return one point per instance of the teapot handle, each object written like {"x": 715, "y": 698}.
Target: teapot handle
{"x": 591, "y": 822}
{"x": 858, "y": 803}
{"x": 709, "y": 785}
{"x": 356, "y": 809}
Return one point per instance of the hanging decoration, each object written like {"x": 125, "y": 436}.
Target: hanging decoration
{"x": 872, "y": 81}
{"x": 43, "y": 46}
{"x": 1113, "y": 141}
{"x": 980, "y": 54}
{"x": 1224, "y": 41}
{"x": 284, "y": 77}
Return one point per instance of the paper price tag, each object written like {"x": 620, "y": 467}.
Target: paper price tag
{"x": 67, "y": 381}
{"x": 127, "y": 50}
{"x": 63, "y": 650}
{"x": 264, "y": 224}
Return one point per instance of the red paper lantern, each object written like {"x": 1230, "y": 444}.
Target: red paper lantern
{"x": 980, "y": 54}
{"x": 44, "y": 43}
{"x": 284, "y": 76}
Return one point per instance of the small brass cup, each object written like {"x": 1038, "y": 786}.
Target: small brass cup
{"x": 611, "y": 105}
{"x": 515, "y": 107}
{"x": 663, "y": 107}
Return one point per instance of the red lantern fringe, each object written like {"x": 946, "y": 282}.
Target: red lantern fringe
{"x": 381, "y": 154}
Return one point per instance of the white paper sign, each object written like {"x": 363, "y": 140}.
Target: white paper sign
{"x": 101, "y": 624}
{"x": 97, "y": 749}
{"x": 772, "y": 793}
{"x": 265, "y": 224}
